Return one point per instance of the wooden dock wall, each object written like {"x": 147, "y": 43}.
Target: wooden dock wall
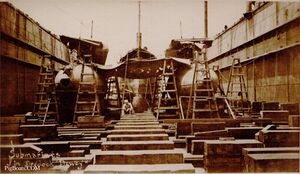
{"x": 267, "y": 43}
{"x": 23, "y": 41}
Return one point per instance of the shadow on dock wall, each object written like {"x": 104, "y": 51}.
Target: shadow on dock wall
{"x": 18, "y": 84}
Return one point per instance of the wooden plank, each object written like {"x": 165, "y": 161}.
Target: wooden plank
{"x": 138, "y": 137}
{"x": 137, "y": 145}
{"x": 139, "y": 157}
{"x": 145, "y": 168}
{"x": 274, "y": 162}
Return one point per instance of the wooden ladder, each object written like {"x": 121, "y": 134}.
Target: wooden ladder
{"x": 204, "y": 103}
{"x": 87, "y": 102}
{"x": 45, "y": 105}
{"x": 168, "y": 100}
{"x": 237, "y": 93}
{"x": 113, "y": 96}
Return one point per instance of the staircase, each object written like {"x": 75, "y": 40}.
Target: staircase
{"x": 138, "y": 144}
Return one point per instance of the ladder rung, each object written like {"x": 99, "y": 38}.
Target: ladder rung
{"x": 168, "y": 90}
{"x": 168, "y": 99}
{"x": 204, "y": 80}
{"x": 85, "y": 112}
{"x": 167, "y": 115}
{"x": 237, "y": 100}
{"x": 204, "y": 90}
{"x": 86, "y": 102}
{"x": 204, "y": 110}
{"x": 168, "y": 107}
{"x": 201, "y": 100}
{"x": 46, "y": 83}
{"x": 43, "y": 113}
{"x": 237, "y": 74}
{"x": 238, "y": 83}
{"x": 204, "y": 97}
{"x": 47, "y": 73}
{"x": 47, "y": 78}
{"x": 86, "y": 83}
{"x": 86, "y": 92}
{"x": 44, "y": 102}
{"x": 87, "y": 74}
{"x": 239, "y": 107}
{"x": 168, "y": 74}
{"x": 43, "y": 93}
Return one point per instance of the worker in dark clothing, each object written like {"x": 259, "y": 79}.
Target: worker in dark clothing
{"x": 127, "y": 108}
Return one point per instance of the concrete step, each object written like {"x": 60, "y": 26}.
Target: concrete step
{"x": 80, "y": 132}
{"x": 179, "y": 143}
{"x": 228, "y": 147}
{"x": 45, "y": 132}
{"x": 279, "y": 138}
{"x": 273, "y": 162}
{"x": 137, "y": 131}
{"x": 139, "y": 157}
{"x": 138, "y": 127}
{"x": 90, "y": 138}
{"x": 59, "y": 169}
{"x": 225, "y": 155}
{"x": 146, "y": 168}
{"x": 31, "y": 140}
{"x": 136, "y": 120}
{"x": 265, "y": 150}
{"x": 75, "y": 163}
{"x": 138, "y": 137}
{"x": 79, "y": 136}
{"x": 53, "y": 146}
{"x": 70, "y": 136}
{"x": 280, "y": 116}
{"x": 94, "y": 144}
{"x": 195, "y": 160}
{"x": 86, "y": 148}
{"x": 247, "y": 151}
{"x": 138, "y": 123}
{"x": 137, "y": 145}
{"x": 79, "y": 129}
{"x": 11, "y": 138}
{"x": 76, "y": 153}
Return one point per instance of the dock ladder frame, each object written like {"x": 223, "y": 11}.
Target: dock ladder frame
{"x": 87, "y": 102}
{"x": 112, "y": 91}
{"x": 237, "y": 93}
{"x": 168, "y": 99}
{"x": 204, "y": 94}
{"x": 45, "y": 106}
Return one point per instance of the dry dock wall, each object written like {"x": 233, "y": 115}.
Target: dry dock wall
{"x": 23, "y": 41}
{"x": 268, "y": 45}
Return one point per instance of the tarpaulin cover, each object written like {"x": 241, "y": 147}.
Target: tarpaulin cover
{"x": 141, "y": 69}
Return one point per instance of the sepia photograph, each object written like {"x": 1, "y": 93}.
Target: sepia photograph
{"x": 149, "y": 86}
